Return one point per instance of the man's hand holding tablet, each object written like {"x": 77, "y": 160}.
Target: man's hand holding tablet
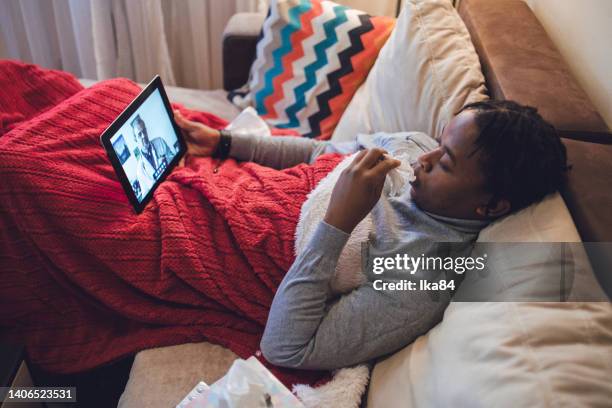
{"x": 201, "y": 140}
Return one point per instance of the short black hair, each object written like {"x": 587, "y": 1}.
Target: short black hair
{"x": 137, "y": 121}
{"x": 522, "y": 155}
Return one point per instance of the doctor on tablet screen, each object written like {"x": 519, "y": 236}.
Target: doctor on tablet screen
{"x": 154, "y": 158}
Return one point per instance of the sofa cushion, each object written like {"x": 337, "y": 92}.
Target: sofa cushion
{"x": 425, "y": 73}
{"x": 161, "y": 377}
{"x": 311, "y": 58}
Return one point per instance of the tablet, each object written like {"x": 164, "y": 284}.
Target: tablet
{"x": 144, "y": 144}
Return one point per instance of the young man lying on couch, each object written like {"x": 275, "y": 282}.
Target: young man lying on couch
{"x": 494, "y": 158}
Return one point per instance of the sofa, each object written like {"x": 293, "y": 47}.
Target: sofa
{"x": 519, "y": 62}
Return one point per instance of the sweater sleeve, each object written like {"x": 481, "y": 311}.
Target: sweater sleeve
{"x": 281, "y": 152}
{"x": 308, "y": 329}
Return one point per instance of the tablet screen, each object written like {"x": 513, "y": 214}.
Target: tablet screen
{"x": 146, "y": 144}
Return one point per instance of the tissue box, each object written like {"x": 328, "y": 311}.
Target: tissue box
{"x": 247, "y": 384}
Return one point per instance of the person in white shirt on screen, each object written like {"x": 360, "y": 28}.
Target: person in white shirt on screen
{"x": 154, "y": 158}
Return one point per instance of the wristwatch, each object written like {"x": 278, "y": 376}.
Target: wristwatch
{"x": 225, "y": 143}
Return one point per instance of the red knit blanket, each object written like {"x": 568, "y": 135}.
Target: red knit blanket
{"x": 84, "y": 280}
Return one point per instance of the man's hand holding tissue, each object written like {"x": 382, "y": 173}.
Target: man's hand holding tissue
{"x": 201, "y": 140}
{"x": 358, "y": 189}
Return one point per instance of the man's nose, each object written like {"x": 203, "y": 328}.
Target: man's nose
{"x": 428, "y": 159}
{"x": 424, "y": 162}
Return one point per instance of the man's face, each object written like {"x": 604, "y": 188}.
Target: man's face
{"x": 449, "y": 181}
{"x": 140, "y": 130}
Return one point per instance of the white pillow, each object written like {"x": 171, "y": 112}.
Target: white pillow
{"x": 510, "y": 354}
{"x": 528, "y": 261}
{"x": 426, "y": 71}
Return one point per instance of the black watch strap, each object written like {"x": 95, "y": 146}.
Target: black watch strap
{"x": 224, "y": 146}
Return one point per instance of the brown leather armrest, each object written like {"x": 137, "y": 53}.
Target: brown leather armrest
{"x": 589, "y": 198}
{"x": 239, "y": 45}
{"x": 521, "y": 63}
{"x": 588, "y": 194}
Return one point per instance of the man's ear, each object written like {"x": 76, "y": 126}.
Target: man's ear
{"x": 494, "y": 209}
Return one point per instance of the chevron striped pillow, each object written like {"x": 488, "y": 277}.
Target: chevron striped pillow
{"x": 311, "y": 58}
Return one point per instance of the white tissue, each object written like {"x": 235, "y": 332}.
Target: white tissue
{"x": 399, "y": 177}
{"x": 248, "y": 122}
